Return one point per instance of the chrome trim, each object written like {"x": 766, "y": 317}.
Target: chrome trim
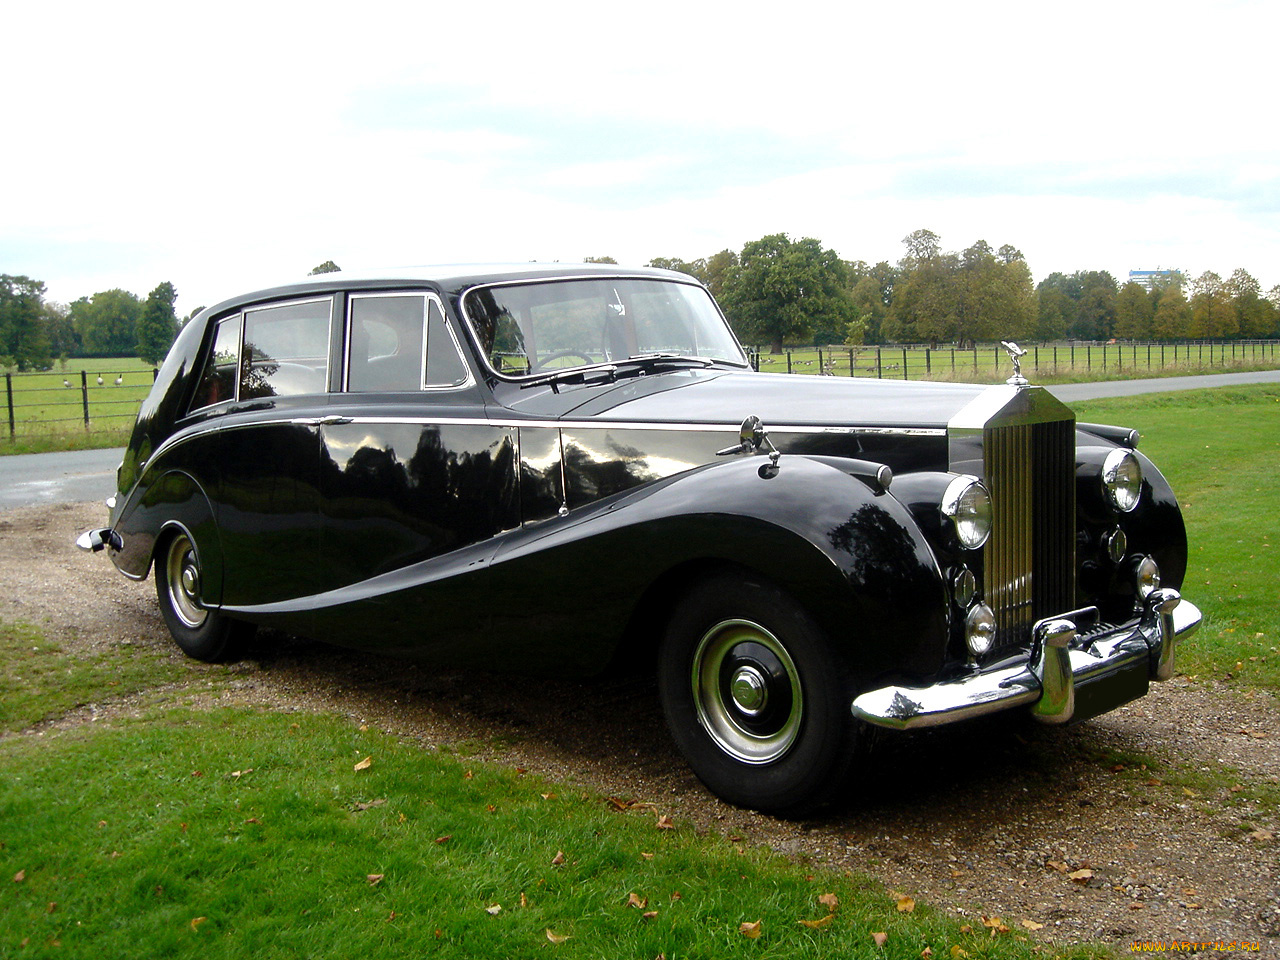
{"x": 1051, "y": 665}
{"x": 427, "y": 297}
{"x": 1147, "y": 646}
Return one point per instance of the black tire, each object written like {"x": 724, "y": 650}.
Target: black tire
{"x": 201, "y": 633}
{"x": 755, "y": 697}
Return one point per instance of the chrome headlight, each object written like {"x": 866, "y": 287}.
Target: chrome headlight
{"x": 1122, "y": 479}
{"x": 967, "y": 505}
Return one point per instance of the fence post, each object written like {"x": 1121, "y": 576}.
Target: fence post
{"x": 975, "y": 358}
{"x": 904, "y": 364}
{"x": 8, "y": 389}
{"x": 821, "y": 366}
{"x": 851, "y": 373}
{"x": 928, "y": 362}
{"x": 953, "y": 360}
{"x": 1036, "y": 359}
{"x": 788, "y": 361}
{"x": 879, "y": 368}
{"x": 84, "y": 395}
{"x": 1088, "y": 356}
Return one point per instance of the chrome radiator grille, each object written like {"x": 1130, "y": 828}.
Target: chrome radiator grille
{"x": 1029, "y": 562}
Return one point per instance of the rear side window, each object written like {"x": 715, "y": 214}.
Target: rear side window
{"x": 218, "y": 383}
{"x": 400, "y": 342}
{"x": 286, "y": 350}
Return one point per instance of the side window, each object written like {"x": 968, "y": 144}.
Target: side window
{"x": 387, "y": 351}
{"x": 218, "y": 384}
{"x": 286, "y": 350}
{"x": 384, "y": 343}
{"x": 445, "y": 366}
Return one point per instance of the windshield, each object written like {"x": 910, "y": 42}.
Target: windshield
{"x": 535, "y": 328}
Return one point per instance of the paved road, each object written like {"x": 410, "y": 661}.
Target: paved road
{"x": 91, "y": 474}
{"x": 31, "y": 478}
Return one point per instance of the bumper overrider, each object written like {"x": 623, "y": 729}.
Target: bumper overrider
{"x": 1072, "y": 673}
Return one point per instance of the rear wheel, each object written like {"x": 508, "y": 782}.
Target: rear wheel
{"x": 202, "y": 633}
{"x": 755, "y": 697}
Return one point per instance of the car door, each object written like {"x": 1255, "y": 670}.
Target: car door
{"x": 413, "y": 473}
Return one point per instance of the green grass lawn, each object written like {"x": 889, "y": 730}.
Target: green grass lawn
{"x": 1221, "y": 451}
{"x": 238, "y": 833}
{"x": 49, "y": 408}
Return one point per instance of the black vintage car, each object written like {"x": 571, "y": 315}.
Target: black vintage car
{"x": 559, "y": 468}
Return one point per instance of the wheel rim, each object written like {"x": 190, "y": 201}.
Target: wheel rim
{"x": 182, "y": 571}
{"x": 747, "y": 691}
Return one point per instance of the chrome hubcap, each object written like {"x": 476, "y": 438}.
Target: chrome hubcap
{"x": 747, "y": 691}
{"x": 183, "y": 574}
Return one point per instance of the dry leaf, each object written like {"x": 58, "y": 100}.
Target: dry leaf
{"x": 361, "y": 807}
{"x": 253, "y": 820}
{"x": 524, "y": 901}
{"x": 1081, "y": 876}
{"x": 20, "y": 876}
{"x": 237, "y": 774}
{"x": 818, "y": 924}
{"x": 966, "y": 929}
{"x": 905, "y": 904}
{"x": 1057, "y": 865}
{"x": 830, "y": 901}
{"x": 995, "y": 924}
{"x": 558, "y": 858}
{"x": 445, "y": 839}
{"x": 664, "y": 823}
{"x": 1261, "y": 835}
{"x": 197, "y": 921}
{"x": 927, "y": 952}
{"x": 676, "y": 895}
{"x": 647, "y": 856}
{"x": 1189, "y": 792}
{"x": 52, "y": 907}
{"x": 493, "y": 909}
{"x": 375, "y": 878}
{"x": 634, "y": 900}
{"x": 468, "y": 775}
{"x": 648, "y": 915}
{"x": 555, "y": 937}
{"x": 958, "y": 951}
{"x": 1032, "y": 925}
{"x": 750, "y": 930}
{"x": 880, "y": 937}
{"x": 364, "y": 764}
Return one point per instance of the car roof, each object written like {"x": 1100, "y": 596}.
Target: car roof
{"x": 449, "y": 278}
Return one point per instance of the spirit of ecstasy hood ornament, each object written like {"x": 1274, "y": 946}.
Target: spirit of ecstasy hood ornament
{"x": 1016, "y": 353}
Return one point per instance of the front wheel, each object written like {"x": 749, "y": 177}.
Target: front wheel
{"x": 202, "y": 633}
{"x": 755, "y": 697}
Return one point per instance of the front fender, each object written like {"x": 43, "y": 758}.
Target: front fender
{"x": 848, "y": 552}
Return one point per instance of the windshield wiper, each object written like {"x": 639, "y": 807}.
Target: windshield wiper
{"x": 651, "y": 360}
{"x": 572, "y": 375}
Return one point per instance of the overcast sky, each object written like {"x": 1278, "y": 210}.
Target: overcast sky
{"x": 228, "y": 146}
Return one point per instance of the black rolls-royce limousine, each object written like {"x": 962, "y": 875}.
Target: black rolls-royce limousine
{"x": 559, "y": 468}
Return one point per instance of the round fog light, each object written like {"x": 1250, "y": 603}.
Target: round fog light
{"x": 963, "y": 587}
{"x": 1147, "y": 578}
{"x": 980, "y": 629}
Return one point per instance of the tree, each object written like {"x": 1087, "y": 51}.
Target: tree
{"x": 157, "y": 325}
{"x": 22, "y": 329}
{"x": 1135, "y": 312}
{"x": 598, "y": 260}
{"x": 1211, "y": 312}
{"x": 106, "y": 323}
{"x": 782, "y": 289}
{"x": 327, "y": 267}
{"x": 1172, "y": 319}
{"x": 926, "y": 302}
{"x": 1254, "y": 317}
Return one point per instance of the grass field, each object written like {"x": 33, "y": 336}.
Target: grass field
{"x": 237, "y": 833}
{"x": 49, "y": 408}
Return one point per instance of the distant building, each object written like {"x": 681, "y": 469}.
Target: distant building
{"x": 1149, "y": 278}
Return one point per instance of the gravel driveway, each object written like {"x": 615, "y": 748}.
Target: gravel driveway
{"x": 1136, "y": 826}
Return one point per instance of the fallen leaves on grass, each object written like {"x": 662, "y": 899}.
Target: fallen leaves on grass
{"x": 445, "y": 839}
{"x": 558, "y": 858}
{"x": 1081, "y": 876}
{"x": 995, "y": 925}
{"x": 750, "y": 930}
{"x": 818, "y": 924}
{"x": 880, "y": 938}
{"x": 1032, "y": 925}
{"x": 364, "y": 764}
{"x": 905, "y": 904}
{"x": 195, "y": 924}
{"x": 830, "y": 901}
{"x": 20, "y": 876}
{"x": 635, "y": 900}
{"x": 362, "y": 807}
{"x": 493, "y": 909}
{"x": 374, "y": 878}
{"x": 665, "y": 823}
{"x": 556, "y": 938}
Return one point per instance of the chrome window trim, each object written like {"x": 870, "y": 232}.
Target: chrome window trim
{"x": 238, "y": 316}
{"x": 619, "y": 275}
{"x": 427, "y": 297}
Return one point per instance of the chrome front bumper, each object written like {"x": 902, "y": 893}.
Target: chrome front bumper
{"x": 1065, "y": 678}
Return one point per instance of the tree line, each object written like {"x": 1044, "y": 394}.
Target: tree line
{"x": 775, "y": 290}
{"x": 35, "y": 332}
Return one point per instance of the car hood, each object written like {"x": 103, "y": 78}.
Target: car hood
{"x": 717, "y": 397}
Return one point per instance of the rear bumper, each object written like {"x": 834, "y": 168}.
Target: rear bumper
{"x": 1066, "y": 677}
